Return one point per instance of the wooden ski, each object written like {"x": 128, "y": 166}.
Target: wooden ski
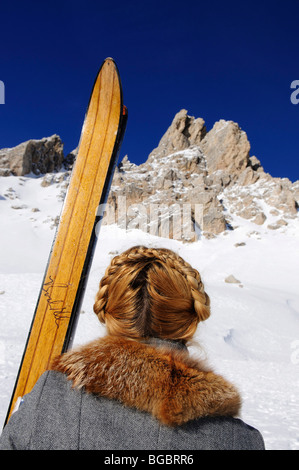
{"x": 65, "y": 278}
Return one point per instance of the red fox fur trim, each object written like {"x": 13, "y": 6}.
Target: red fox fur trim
{"x": 157, "y": 379}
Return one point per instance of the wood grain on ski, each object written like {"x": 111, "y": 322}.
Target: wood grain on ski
{"x": 99, "y": 139}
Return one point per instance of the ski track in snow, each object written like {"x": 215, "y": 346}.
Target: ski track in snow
{"x": 252, "y": 336}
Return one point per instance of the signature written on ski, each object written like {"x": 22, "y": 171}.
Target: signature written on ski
{"x": 55, "y": 304}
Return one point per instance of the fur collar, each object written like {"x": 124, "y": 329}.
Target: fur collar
{"x": 158, "y": 379}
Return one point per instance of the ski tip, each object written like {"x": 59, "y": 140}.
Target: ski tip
{"x": 109, "y": 62}
{"x": 109, "y": 59}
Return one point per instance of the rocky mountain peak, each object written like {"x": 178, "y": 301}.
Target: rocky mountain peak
{"x": 184, "y": 132}
{"x": 212, "y": 172}
{"x": 226, "y": 147}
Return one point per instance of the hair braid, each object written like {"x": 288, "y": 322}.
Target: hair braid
{"x": 151, "y": 292}
{"x": 200, "y": 297}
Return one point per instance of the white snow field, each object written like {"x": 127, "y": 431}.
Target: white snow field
{"x": 252, "y": 336}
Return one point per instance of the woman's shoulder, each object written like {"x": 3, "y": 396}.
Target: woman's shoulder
{"x": 51, "y": 405}
{"x": 227, "y": 432}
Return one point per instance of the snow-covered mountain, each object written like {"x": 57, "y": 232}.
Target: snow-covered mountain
{"x": 213, "y": 173}
{"x": 246, "y": 247}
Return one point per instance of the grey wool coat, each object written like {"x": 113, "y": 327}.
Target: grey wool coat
{"x": 120, "y": 394}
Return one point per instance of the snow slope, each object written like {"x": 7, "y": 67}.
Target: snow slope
{"x": 252, "y": 336}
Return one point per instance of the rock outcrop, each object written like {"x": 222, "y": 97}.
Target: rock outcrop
{"x": 184, "y": 132}
{"x": 36, "y": 156}
{"x": 226, "y": 148}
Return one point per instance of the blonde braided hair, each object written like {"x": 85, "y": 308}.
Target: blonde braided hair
{"x": 151, "y": 292}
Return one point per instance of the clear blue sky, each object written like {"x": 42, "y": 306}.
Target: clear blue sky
{"x": 219, "y": 60}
